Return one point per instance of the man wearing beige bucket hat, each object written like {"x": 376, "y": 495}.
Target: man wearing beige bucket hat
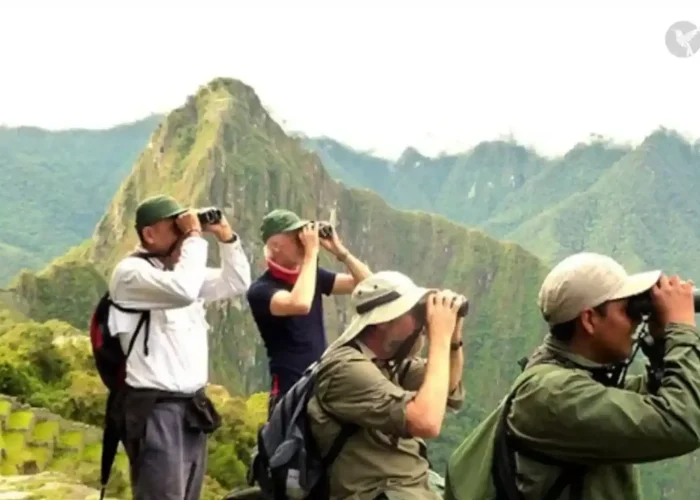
{"x": 371, "y": 377}
{"x": 570, "y": 427}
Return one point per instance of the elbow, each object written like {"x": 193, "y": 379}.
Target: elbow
{"x": 303, "y": 308}
{"x": 423, "y": 424}
{"x": 425, "y": 429}
{"x": 289, "y": 308}
{"x": 239, "y": 286}
{"x": 300, "y": 308}
{"x": 432, "y": 430}
{"x": 187, "y": 292}
{"x": 689, "y": 442}
{"x": 185, "y": 298}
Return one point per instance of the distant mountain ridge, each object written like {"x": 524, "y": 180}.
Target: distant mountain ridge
{"x": 220, "y": 147}
{"x": 54, "y": 185}
{"x": 639, "y": 204}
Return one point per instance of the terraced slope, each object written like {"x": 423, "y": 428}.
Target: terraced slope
{"x": 34, "y": 441}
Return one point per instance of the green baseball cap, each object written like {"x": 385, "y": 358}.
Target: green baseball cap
{"x": 157, "y": 208}
{"x": 280, "y": 221}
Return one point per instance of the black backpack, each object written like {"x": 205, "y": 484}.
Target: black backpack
{"x": 110, "y": 361}
{"x": 287, "y": 462}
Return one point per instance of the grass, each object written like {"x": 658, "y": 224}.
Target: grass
{"x": 20, "y": 420}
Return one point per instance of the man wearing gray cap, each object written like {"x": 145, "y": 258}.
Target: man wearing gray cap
{"x": 372, "y": 377}
{"x": 567, "y": 430}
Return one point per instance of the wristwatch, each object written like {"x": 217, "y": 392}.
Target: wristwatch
{"x": 456, "y": 346}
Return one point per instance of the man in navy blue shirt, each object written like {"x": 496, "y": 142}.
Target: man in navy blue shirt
{"x": 286, "y": 299}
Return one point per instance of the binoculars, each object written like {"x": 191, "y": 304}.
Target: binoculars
{"x": 641, "y": 306}
{"x": 421, "y": 310}
{"x": 209, "y": 215}
{"x": 325, "y": 230}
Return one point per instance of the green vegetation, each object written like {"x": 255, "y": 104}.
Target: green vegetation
{"x": 221, "y": 148}
{"x": 52, "y": 406}
{"x": 240, "y": 160}
{"x": 637, "y": 204}
{"x": 55, "y": 185}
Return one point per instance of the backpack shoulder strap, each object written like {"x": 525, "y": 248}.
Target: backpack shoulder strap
{"x": 145, "y": 313}
{"x": 503, "y": 466}
{"x": 347, "y": 429}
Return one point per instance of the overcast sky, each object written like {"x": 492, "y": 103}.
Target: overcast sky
{"x": 382, "y": 78}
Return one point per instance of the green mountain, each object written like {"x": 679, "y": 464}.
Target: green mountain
{"x": 222, "y": 148}
{"x": 54, "y": 187}
{"x": 637, "y": 204}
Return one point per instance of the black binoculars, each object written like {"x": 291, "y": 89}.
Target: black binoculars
{"x": 325, "y": 230}
{"x": 421, "y": 310}
{"x": 641, "y": 306}
{"x": 209, "y": 215}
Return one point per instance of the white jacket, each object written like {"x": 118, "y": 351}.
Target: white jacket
{"x": 178, "y": 358}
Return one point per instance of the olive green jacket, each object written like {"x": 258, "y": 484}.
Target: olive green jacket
{"x": 561, "y": 411}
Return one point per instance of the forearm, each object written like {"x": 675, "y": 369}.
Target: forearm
{"x": 303, "y": 291}
{"x": 232, "y": 278}
{"x": 427, "y": 410}
{"x": 456, "y": 356}
{"x": 137, "y": 284}
{"x": 455, "y": 397}
{"x": 358, "y": 269}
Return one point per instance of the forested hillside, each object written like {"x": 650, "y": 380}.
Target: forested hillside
{"x": 638, "y": 204}
{"x": 222, "y": 148}
{"x": 55, "y": 185}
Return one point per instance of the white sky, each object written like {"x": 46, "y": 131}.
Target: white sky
{"x": 437, "y": 78}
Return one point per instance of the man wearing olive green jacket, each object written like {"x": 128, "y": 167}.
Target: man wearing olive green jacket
{"x": 571, "y": 432}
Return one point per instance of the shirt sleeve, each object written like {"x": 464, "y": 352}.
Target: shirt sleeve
{"x": 137, "y": 284}
{"x": 232, "y": 279}
{"x": 259, "y": 296}
{"x": 559, "y": 412}
{"x": 355, "y": 390}
{"x": 326, "y": 280}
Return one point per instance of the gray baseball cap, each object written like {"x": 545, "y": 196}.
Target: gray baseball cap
{"x": 586, "y": 280}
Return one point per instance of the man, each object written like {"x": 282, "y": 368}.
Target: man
{"x": 167, "y": 368}
{"x": 286, "y": 299}
{"x": 371, "y": 377}
{"x": 571, "y": 431}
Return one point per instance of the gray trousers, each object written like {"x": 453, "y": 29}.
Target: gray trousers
{"x": 170, "y": 460}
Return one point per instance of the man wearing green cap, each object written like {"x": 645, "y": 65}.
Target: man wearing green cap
{"x": 286, "y": 300}
{"x": 163, "y": 408}
{"x": 569, "y": 428}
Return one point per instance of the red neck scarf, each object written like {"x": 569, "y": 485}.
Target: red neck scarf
{"x": 282, "y": 273}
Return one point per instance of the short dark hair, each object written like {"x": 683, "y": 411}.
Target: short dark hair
{"x": 564, "y": 332}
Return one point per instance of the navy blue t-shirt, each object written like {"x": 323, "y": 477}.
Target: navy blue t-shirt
{"x": 292, "y": 342}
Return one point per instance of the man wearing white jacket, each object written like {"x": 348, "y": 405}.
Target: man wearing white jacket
{"x": 165, "y": 415}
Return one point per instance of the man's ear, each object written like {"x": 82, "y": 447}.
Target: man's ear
{"x": 147, "y": 235}
{"x": 587, "y": 319}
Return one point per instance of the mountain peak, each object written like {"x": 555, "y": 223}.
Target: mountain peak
{"x": 410, "y": 158}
